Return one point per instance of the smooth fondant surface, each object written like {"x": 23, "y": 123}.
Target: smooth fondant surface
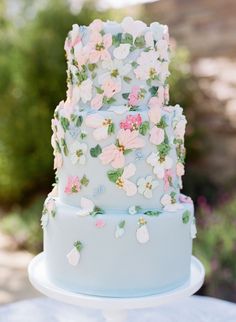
{"x": 118, "y": 267}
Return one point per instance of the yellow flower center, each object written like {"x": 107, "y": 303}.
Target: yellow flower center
{"x": 152, "y": 73}
{"x": 79, "y": 153}
{"x": 121, "y": 148}
{"x": 120, "y": 182}
{"x": 115, "y": 72}
{"x": 107, "y": 122}
{"x": 100, "y": 46}
{"x": 149, "y": 185}
{"x": 142, "y": 221}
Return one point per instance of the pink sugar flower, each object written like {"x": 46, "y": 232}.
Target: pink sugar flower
{"x": 58, "y": 160}
{"x": 96, "y": 25}
{"x": 81, "y": 54}
{"x": 73, "y": 185}
{"x": 97, "y": 102}
{"x": 99, "y": 46}
{"x": 73, "y": 38}
{"x": 179, "y": 169}
{"x": 132, "y": 122}
{"x": 185, "y": 199}
{"x": 110, "y": 87}
{"x": 100, "y": 223}
{"x": 157, "y": 135}
{"x": 134, "y": 96}
{"x": 123, "y": 183}
{"x": 168, "y": 177}
{"x": 157, "y": 101}
{"x": 114, "y": 154}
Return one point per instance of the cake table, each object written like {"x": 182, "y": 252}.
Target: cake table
{"x": 113, "y": 309}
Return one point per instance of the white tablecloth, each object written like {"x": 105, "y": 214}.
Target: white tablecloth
{"x": 193, "y": 309}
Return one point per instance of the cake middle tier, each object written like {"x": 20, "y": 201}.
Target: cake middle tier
{"x": 118, "y": 158}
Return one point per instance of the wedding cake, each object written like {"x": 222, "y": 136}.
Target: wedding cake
{"x": 116, "y": 223}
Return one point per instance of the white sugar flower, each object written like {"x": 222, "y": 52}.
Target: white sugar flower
{"x": 87, "y": 207}
{"x": 119, "y": 232}
{"x": 179, "y": 127}
{"x": 169, "y": 203}
{"x": 159, "y": 163}
{"x": 123, "y": 183}
{"x": 44, "y": 220}
{"x": 122, "y": 51}
{"x": 149, "y": 66}
{"x": 50, "y": 207}
{"x": 157, "y": 30}
{"x": 132, "y": 210}
{"x": 78, "y": 151}
{"x": 103, "y": 126}
{"x": 74, "y": 255}
{"x": 162, "y": 49}
{"x": 82, "y": 91}
{"x": 142, "y": 233}
{"x": 146, "y": 186}
{"x": 116, "y": 69}
{"x": 163, "y": 71}
{"x": 133, "y": 27}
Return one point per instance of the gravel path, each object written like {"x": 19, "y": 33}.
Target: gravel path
{"x": 14, "y": 283}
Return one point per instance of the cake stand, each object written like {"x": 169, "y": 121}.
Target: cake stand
{"x": 113, "y": 309}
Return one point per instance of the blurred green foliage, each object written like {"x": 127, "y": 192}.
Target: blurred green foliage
{"x": 22, "y": 224}
{"x": 216, "y": 247}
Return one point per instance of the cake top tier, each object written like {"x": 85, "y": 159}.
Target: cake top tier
{"x": 113, "y": 64}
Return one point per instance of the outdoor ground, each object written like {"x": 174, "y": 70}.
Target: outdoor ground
{"x": 14, "y": 283}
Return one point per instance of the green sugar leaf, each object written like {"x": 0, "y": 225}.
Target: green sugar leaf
{"x": 153, "y": 90}
{"x": 162, "y": 124}
{"x": 65, "y": 123}
{"x": 163, "y": 149}
{"x": 116, "y": 39}
{"x": 84, "y": 181}
{"x": 99, "y": 90}
{"x": 134, "y": 64}
{"x": 65, "y": 148}
{"x": 186, "y": 216}
{"x": 152, "y": 213}
{"x": 111, "y": 128}
{"x": 83, "y": 135}
{"x": 91, "y": 67}
{"x": 121, "y": 224}
{"x": 127, "y": 151}
{"x": 110, "y": 100}
{"x": 78, "y": 245}
{"x": 127, "y": 39}
{"x": 96, "y": 151}
{"x": 125, "y": 95}
{"x": 127, "y": 79}
{"x": 78, "y": 120}
{"x": 114, "y": 175}
{"x": 97, "y": 211}
{"x": 139, "y": 41}
{"x": 144, "y": 127}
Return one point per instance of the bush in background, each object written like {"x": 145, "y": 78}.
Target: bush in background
{"x": 216, "y": 247}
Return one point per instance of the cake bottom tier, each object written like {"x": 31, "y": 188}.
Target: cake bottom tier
{"x": 118, "y": 255}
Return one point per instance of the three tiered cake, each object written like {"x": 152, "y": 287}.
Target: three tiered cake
{"x": 115, "y": 223}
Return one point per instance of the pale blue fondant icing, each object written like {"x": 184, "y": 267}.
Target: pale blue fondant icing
{"x": 118, "y": 267}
